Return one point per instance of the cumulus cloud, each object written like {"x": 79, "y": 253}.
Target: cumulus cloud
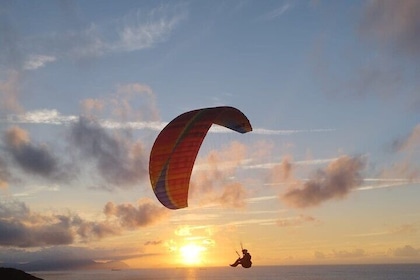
{"x": 130, "y": 102}
{"x": 120, "y": 161}
{"x": 134, "y": 101}
{"x": 32, "y": 158}
{"x": 131, "y": 217}
{"x": 20, "y": 227}
{"x": 233, "y": 195}
{"x": 281, "y": 173}
{"x": 213, "y": 177}
{"x": 393, "y": 22}
{"x": 335, "y": 182}
{"x": 406, "y": 251}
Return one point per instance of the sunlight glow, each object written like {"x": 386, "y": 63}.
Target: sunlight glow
{"x": 191, "y": 254}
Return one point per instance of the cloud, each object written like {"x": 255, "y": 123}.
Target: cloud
{"x": 122, "y": 103}
{"x": 295, "y": 221}
{"x": 144, "y": 30}
{"x": 281, "y": 173}
{"x": 410, "y": 142}
{"x": 147, "y": 109}
{"x": 133, "y": 32}
{"x": 393, "y": 22}
{"x": 37, "y": 61}
{"x": 213, "y": 180}
{"x": 277, "y": 12}
{"x": 65, "y": 257}
{"x": 407, "y": 167}
{"x": 5, "y": 175}
{"x": 131, "y": 217}
{"x": 20, "y": 227}
{"x": 153, "y": 242}
{"x": 34, "y": 159}
{"x": 356, "y": 253}
{"x": 53, "y": 117}
{"x": 9, "y": 92}
{"x": 120, "y": 161}
{"x": 233, "y": 196}
{"x": 406, "y": 251}
{"x": 335, "y": 182}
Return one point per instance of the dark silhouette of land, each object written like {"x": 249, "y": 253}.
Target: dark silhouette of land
{"x": 50, "y": 265}
{"x": 15, "y": 274}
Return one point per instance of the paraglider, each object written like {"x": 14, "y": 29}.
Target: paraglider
{"x": 245, "y": 261}
{"x": 175, "y": 149}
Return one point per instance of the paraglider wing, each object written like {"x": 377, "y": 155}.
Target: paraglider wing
{"x": 176, "y": 148}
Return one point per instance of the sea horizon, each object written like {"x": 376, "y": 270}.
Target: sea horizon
{"x": 404, "y": 271}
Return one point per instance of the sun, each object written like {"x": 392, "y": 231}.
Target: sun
{"x": 191, "y": 254}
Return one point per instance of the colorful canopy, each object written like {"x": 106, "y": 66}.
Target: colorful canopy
{"x": 177, "y": 145}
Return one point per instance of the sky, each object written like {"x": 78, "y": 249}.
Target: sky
{"x": 330, "y": 173}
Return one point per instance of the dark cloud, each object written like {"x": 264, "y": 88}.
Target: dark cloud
{"x": 32, "y": 231}
{"x": 119, "y": 161}
{"x": 19, "y": 227}
{"x": 94, "y": 230}
{"x": 336, "y": 181}
{"x": 132, "y": 217}
{"x": 34, "y": 159}
{"x": 393, "y": 22}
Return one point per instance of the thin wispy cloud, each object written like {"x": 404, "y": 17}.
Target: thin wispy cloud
{"x": 54, "y": 117}
{"x": 277, "y": 12}
{"x": 384, "y": 183}
{"x": 37, "y": 61}
{"x": 137, "y": 30}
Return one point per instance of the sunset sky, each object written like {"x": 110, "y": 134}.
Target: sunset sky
{"x": 330, "y": 173}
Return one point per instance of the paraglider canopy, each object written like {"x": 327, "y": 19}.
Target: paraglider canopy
{"x": 175, "y": 149}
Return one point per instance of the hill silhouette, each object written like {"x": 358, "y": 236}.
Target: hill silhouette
{"x": 15, "y": 274}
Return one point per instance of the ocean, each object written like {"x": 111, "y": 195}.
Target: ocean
{"x": 318, "y": 272}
